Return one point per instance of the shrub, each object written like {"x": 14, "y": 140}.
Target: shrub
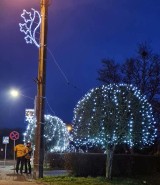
{"x": 85, "y": 164}
{"x": 55, "y": 160}
{"x": 93, "y": 164}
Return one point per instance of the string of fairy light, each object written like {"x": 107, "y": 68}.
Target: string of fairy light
{"x": 114, "y": 114}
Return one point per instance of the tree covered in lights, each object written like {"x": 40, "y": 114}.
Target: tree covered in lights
{"x": 56, "y": 135}
{"x": 111, "y": 115}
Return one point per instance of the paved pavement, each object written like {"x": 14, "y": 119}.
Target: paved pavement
{"x": 8, "y": 176}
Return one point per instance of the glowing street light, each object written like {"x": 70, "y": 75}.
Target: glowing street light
{"x": 14, "y": 93}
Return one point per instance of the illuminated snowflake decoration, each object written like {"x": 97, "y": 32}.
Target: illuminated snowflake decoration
{"x": 31, "y": 122}
{"x": 28, "y": 27}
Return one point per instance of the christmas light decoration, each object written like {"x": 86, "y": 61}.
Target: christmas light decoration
{"x": 111, "y": 115}
{"x": 28, "y": 27}
{"x": 31, "y": 123}
{"x": 56, "y": 135}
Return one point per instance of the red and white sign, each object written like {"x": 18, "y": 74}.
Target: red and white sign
{"x": 14, "y": 135}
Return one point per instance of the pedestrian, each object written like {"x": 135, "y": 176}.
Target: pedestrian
{"x": 28, "y": 159}
{"x": 21, "y": 151}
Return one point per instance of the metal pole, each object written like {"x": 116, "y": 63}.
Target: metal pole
{"x": 14, "y": 156}
{"x": 40, "y": 103}
{"x": 5, "y": 155}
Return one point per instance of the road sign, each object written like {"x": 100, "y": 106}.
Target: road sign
{"x": 5, "y": 140}
{"x": 14, "y": 135}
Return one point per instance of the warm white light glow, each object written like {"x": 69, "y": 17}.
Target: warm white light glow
{"x": 69, "y": 128}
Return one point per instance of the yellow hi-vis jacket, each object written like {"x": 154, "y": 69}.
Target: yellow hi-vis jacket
{"x": 20, "y": 150}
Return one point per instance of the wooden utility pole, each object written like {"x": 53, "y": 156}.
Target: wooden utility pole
{"x": 40, "y": 99}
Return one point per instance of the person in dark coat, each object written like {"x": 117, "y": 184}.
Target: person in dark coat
{"x": 28, "y": 159}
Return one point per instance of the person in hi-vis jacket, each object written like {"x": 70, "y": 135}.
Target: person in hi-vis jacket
{"x": 21, "y": 151}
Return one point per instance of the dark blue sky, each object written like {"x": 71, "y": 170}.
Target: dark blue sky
{"x": 80, "y": 34}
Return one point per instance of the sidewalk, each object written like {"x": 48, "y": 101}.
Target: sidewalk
{"x": 9, "y": 177}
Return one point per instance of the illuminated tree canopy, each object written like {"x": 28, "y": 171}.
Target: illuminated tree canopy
{"x": 114, "y": 114}
{"x": 56, "y": 135}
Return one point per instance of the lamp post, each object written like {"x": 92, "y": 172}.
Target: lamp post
{"x": 40, "y": 98}
{"x": 16, "y": 93}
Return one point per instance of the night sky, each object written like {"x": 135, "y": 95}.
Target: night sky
{"x": 80, "y": 34}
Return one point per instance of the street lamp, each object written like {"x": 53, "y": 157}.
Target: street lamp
{"x": 14, "y": 92}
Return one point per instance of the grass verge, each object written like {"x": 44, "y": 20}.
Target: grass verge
{"x": 65, "y": 180}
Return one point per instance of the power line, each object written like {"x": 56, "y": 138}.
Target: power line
{"x": 54, "y": 59}
{"x": 50, "y": 107}
{"x": 61, "y": 71}
{"x": 64, "y": 76}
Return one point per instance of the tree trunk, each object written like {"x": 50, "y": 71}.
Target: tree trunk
{"x": 109, "y": 152}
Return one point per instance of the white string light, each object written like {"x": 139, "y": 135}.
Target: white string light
{"x": 114, "y": 114}
{"x": 28, "y": 27}
{"x": 56, "y": 135}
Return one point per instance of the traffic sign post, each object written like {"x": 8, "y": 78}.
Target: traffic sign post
{"x": 14, "y": 135}
{"x": 5, "y": 141}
